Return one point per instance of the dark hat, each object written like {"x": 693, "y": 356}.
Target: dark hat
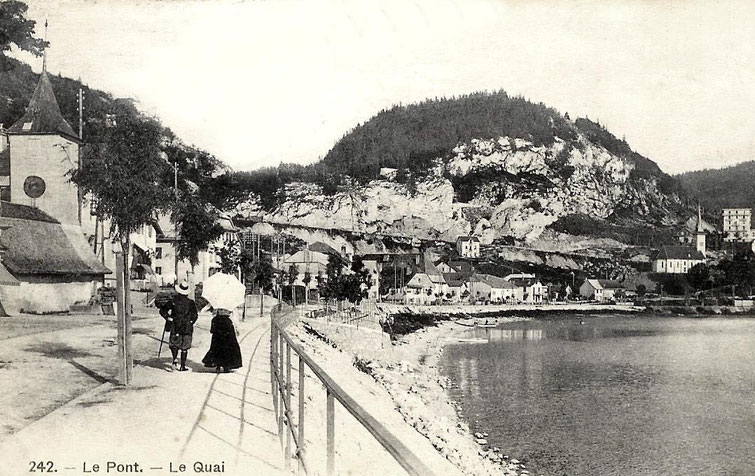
{"x": 183, "y": 288}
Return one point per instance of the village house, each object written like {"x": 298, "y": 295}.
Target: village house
{"x": 457, "y": 286}
{"x": 454, "y": 266}
{"x": 311, "y": 264}
{"x": 208, "y": 262}
{"x": 427, "y": 285}
{"x": 489, "y": 288}
{"x": 468, "y": 246}
{"x": 601, "y": 290}
{"x": 421, "y": 290}
{"x": 529, "y": 289}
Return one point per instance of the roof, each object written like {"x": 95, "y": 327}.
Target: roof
{"x": 467, "y": 238}
{"x": 493, "y": 281}
{"x": 461, "y": 266}
{"x": 514, "y": 276}
{"x": 678, "y": 252}
{"x": 420, "y": 280}
{"x": 45, "y": 246}
{"x": 7, "y": 279}
{"x": 610, "y": 284}
{"x": 43, "y": 114}
{"x": 321, "y": 247}
{"x": 304, "y": 256}
{"x": 15, "y": 210}
{"x": 456, "y": 280}
{"x": 426, "y": 266}
{"x": 604, "y": 284}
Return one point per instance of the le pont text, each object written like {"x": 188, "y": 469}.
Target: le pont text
{"x": 116, "y": 467}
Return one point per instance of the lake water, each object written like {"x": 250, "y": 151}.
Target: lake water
{"x": 614, "y": 395}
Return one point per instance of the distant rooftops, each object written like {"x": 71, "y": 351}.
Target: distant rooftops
{"x": 605, "y": 284}
{"x": 678, "y": 252}
{"x": 468, "y": 238}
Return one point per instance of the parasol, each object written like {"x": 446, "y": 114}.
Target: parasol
{"x": 223, "y": 291}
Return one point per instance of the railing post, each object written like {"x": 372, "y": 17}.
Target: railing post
{"x": 273, "y": 370}
{"x": 281, "y": 408}
{"x": 287, "y": 396}
{"x": 300, "y": 450}
{"x": 330, "y": 432}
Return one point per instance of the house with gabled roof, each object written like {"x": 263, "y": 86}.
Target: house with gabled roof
{"x": 468, "y": 246}
{"x": 529, "y": 287}
{"x": 457, "y": 286}
{"x": 600, "y": 289}
{"x": 489, "y": 288}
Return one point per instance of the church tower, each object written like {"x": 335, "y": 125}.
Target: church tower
{"x": 43, "y": 148}
{"x": 700, "y": 235}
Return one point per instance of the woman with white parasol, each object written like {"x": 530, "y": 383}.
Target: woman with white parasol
{"x": 224, "y": 293}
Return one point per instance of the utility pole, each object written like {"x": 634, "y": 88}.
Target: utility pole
{"x": 125, "y": 356}
{"x": 175, "y": 227}
{"x": 81, "y": 138}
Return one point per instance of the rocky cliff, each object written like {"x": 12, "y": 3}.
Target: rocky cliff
{"x": 497, "y": 188}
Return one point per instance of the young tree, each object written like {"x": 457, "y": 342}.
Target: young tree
{"x": 126, "y": 176}
{"x": 230, "y": 258}
{"x": 196, "y": 226}
{"x": 16, "y": 29}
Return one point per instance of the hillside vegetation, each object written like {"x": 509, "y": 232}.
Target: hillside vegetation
{"x": 411, "y": 137}
{"x": 17, "y": 83}
{"x": 721, "y": 188}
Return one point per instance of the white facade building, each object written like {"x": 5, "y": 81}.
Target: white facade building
{"x": 737, "y": 224}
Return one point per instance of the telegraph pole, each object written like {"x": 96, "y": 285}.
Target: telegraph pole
{"x": 175, "y": 227}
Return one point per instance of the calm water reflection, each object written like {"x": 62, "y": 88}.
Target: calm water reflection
{"x": 614, "y": 395}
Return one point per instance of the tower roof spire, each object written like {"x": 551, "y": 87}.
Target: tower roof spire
{"x": 44, "y": 51}
{"x": 699, "y": 219}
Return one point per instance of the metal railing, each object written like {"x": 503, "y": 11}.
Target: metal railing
{"x": 281, "y": 348}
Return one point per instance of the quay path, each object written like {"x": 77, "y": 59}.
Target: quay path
{"x": 209, "y": 423}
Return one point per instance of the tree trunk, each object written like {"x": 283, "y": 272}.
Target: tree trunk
{"x": 126, "y": 246}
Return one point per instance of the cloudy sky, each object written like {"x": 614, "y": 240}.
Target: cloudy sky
{"x": 260, "y": 82}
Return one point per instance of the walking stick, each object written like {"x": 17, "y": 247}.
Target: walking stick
{"x": 161, "y": 343}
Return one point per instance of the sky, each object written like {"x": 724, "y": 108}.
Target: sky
{"x": 261, "y": 82}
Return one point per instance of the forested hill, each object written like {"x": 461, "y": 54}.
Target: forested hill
{"x": 721, "y": 188}
{"x": 17, "y": 83}
{"x": 410, "y": 137}
{"x": 406, "y": 137}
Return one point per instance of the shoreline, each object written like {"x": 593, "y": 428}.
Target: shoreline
{"x": 491, "y": 310}
{"x": 409, "y": 370}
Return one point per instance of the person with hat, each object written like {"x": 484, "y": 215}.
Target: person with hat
{"x": 180, "y": 314}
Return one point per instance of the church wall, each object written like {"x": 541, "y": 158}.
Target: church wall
{"x": 49, "y": 157}
{"x": 46, "y": 294}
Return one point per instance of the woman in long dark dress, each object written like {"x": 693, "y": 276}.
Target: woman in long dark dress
{"x": 224, "y": 350}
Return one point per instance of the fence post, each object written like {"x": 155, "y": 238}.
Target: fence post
{"x": 300, "y": 450}
{"x": 273, "y": 370}
{"x": 281, "y": 408}
{"x": 289, "y": 428}
{"x": 330, "y": 432}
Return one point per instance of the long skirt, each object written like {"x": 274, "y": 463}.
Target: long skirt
{"x": 224, "y": 349}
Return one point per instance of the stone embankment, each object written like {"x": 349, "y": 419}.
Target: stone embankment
{"x": 408, "y": 369}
